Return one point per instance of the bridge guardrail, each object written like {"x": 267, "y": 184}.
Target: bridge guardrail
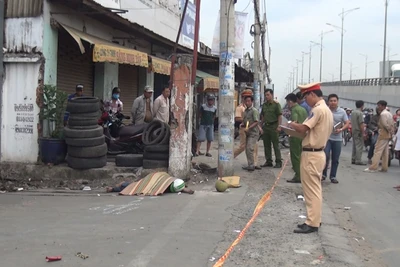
{"x": 366, "y": 82}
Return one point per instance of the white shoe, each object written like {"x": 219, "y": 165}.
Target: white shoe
{"x": 368, "y": 170}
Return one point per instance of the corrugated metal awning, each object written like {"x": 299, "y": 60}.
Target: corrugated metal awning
{"x": 161, "y": 66}
{"x": 105, "y": 51}
{"x": 206, "y": 81}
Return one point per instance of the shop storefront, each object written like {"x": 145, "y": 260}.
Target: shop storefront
{"x": 93, "y": 54}
{"x": 162, "y": 72}
{"x": 73, "y": 67}
{"x": 128, "y": 83}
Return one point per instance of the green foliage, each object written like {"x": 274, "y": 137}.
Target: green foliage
{"x": 53, "y": 110}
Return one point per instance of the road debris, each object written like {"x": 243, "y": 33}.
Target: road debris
{"x": 302, "y": 217}
{"x": 20, "y": 189}
{"x": 82, "y": 256}
{"x": 53, "y": 258}
{"x": 302, "y": 252}
{"x": 300, "y": 197}
{"x": 237, "y": 231}
{"x": 86, "y": 188}
{"x": 347, "y": 208}
{"x": 212, "y": 259}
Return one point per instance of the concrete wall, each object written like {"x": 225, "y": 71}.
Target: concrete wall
{"x": 24, "y": 35}
{"x": 19, "y": 133}
{"x": 369, "y": 94}
{"x": 159, "y": 16}
{"x": 105, "y": 79}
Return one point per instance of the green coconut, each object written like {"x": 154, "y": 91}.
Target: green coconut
{"x": 221, "y": 186}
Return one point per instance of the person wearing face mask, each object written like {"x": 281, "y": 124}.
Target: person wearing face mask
{"x": 114, "y": 105}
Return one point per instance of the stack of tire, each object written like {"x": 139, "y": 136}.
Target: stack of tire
{"x": 155, "y": 138}
{"x": 85, "y": 139}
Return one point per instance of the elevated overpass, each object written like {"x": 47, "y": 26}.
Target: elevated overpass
{"x": 368, "y": 90}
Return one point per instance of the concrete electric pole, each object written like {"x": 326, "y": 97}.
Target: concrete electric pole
{"x": 227, "y": 89}
{"x": 1, "y": 58}
{"x": 302, "y": 66}
{"x": 257, "y": 55}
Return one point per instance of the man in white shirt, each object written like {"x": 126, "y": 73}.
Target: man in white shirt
{"x": 161, "y": 106}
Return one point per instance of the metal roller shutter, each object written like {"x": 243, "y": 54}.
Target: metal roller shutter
{"x": 73, "y": 67}
{"x": 128, "y": 82}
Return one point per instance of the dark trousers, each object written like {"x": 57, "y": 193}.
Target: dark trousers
{"x": 372, "y": 146}
{"x": 271, "y": 136}
{"x": 332, "y": 152}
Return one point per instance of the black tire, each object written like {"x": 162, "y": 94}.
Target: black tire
{"x": 156, "y": 156}
{"x": 82, "y": 121}
{"x": 86, "y": 127}
{"x": 85, "y": 99}
{"x": 167, "y": 135}
{"x": 129, "y": 160}
{"x": 96, "y": 114}
{"x": 87, "y": 152}
{"x": 85, "y": 142}
{"x": 77, "y": 107}
{"x": 163, "y": 149}
{"x": 84, "y": 133}
{"x": 155, "y": 164}
{"x": 85, "y": 164}
{"x": 148, "y": 131}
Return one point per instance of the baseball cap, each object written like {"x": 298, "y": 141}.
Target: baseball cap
{"x": 148, "y": 89}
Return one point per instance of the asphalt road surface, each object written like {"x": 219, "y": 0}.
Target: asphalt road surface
{"x": 196, "y": 230}
{"x": 374, "y": 217}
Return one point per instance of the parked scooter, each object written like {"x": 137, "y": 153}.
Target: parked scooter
{"x": 284, "y": 139}
{"x": 391, "y": 150}
{"x": 121, "y": 138}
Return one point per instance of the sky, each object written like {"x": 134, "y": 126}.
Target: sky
{"x": 292, "y": 24}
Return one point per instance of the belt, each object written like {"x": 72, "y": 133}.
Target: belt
{"x": 270, "y": 123}
{"x": 312, "y": 149}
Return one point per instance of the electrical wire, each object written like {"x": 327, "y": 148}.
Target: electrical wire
{"x": 246, "y": 6}
{"x": 257, "y": 13}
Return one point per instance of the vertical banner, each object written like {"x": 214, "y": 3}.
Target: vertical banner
{"x": 187, "y": 33}
{"x": 240, "y": 27}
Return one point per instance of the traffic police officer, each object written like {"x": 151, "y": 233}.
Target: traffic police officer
{"x": 317, "y": 129}
{"x": 271, "y": 118}
{"x": 299, "y": 115}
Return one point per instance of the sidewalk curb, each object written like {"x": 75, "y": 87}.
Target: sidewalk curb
{"x": 335, "y": 241}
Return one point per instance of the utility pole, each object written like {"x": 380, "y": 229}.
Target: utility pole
{"x": 227, "y": 88}
{"x": 302, "y": 66}
{"x": 320, "y": 56}
{"x": 297, "y": 71}
{"x": 294, "y": 80}
{"x": 309, "y": 64}
{"x": 366, "y": 64}
{"x": 1, "y": 60}
{"x": 384, "y": 47}
{"x": 342, "y": 15}
{"x": 257, "y": 62}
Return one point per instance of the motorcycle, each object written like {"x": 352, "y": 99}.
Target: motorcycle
{"x": 121, "y": 138}
{"x": 284, "y": 139}
{"x": 347, "y": 134}
{"x": 391, "y": 152}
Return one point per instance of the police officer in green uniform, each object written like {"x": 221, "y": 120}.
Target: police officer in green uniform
{"x": 271, "y": 117}
{"x": 299, "y": 115}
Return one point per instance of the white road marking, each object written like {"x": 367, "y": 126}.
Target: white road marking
{"x": 144, "y": 257}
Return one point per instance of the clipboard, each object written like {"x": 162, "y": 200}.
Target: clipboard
{"x": 292, "y": 132}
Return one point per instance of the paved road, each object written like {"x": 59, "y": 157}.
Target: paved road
{"x": 375, "y": 209}
{"x": 172, "y": 230}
